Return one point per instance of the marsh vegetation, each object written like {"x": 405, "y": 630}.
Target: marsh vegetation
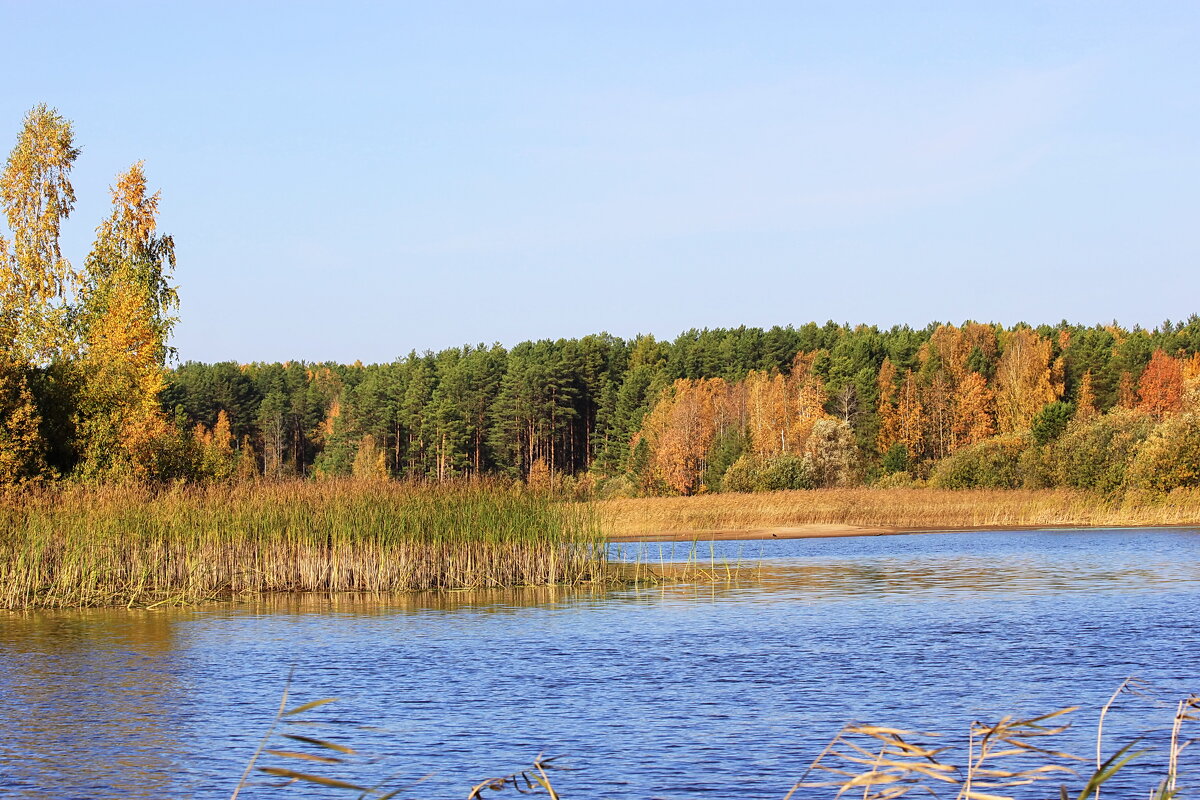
{"x": 135, "y": 546}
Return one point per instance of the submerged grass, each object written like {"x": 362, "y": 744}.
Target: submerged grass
{"x": 89, "y": 547}
{"x": 895, "y": 509}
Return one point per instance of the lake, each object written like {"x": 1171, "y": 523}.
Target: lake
{"x": 682, "y": 691}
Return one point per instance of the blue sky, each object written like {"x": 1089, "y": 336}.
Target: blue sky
{"x": 358, "y": 180}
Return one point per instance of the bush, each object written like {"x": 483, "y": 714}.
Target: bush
{"x": 1035, "y": 469}
{"x": 992, "y": 464}
{"x": 1170, "y": 457}
{"x": 831, "y": 454}
{"x": 787, "y": 472}
{"x": 1094, "y": 453}
{"x": 898, "y": 480}
{"x": 750, "y": 474}
{"x": 743, "y": 475}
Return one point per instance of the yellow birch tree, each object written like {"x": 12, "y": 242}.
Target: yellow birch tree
{"x": 126, "y": 320}
{"x": 1023, "y": 380}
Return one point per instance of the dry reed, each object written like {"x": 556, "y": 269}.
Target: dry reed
{"x": 86, "y": 547}
{"x": 892, "y": 509}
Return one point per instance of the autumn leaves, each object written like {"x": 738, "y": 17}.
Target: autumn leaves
{"x": 997, "y": 396}
{"x": 776, "y": 414}
{"x": 92, "y": 340}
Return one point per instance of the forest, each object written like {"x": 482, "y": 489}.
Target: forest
{"x": 957, "y": 406}
{"x": 90, "y": 391}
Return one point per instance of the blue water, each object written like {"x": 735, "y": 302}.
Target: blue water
{"x": 706, "y": 690}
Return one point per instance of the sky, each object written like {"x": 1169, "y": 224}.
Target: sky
{"x": 353, "y": 181}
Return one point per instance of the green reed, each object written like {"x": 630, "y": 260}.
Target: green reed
{"x": 87, "y": 547}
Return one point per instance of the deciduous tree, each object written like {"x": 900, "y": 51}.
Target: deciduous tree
{"x": 1023, "y": 379}
{"x": 1160, "y": 389}
{"x": 974, "y": 411}
{"x": 37, "y": 283}
{"x": 126, "y": 317}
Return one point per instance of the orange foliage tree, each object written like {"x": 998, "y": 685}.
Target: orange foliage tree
{"x": 889, "y": 418}
{"x": 1160, "y": 390}
{"x": 769, "y": 415}
{"x": 974, "y": 411}
{"x": 1085, "y": 397}
{"x": 911, "y": 415}
{"x": 782, "y": 410}
{"x": 1127, "y": 391}
{"x": 680, "y": 429}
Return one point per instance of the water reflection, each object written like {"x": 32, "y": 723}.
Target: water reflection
{"x": 76, "y": 685}
{"x": 674, "y": 690}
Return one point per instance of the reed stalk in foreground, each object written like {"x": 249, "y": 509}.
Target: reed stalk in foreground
{"x": 883, "y": 763}
{"x": 869, "y": 761}
{"x": 90, "y": 547}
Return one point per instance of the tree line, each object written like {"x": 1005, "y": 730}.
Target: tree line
{"x": 87, "y": 390}
{"x": 729, "y": 409}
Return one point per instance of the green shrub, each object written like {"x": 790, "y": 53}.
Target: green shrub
{"x": 993, "y": 464}
{"x": 1170, "y": 457}
{"x": 1035, "y": 468}
{"x": 831, "y": 454}
{"x": 752, "y": 474}
{"x": 743, "y": 475}
{"x": 787, "y": 472}
{"x": 897, "y": 480}
{"x": 1094, "y": 453}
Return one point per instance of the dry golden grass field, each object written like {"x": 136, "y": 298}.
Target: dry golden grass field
{"x": 842, "y": 512}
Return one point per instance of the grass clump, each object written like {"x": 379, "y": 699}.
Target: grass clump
{"x": 133, "y": 546}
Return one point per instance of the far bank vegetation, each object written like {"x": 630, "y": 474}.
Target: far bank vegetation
{"x": 89, "y": 393}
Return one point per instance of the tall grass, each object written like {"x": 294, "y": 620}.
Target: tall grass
{"x": 892, "y": 509}
{"x": 87, "y": 547}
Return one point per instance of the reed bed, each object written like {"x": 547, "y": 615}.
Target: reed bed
{"x": 77, "y": 547}
{"x": 893, "y": 509}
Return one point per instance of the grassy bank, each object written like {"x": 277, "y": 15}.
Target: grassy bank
{"x": 86, "y": 547}
{"x": 892, "y": 509}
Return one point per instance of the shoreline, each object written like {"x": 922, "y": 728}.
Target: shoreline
{"x": 841, "y": 531}
{"x": 829, "y": 513}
